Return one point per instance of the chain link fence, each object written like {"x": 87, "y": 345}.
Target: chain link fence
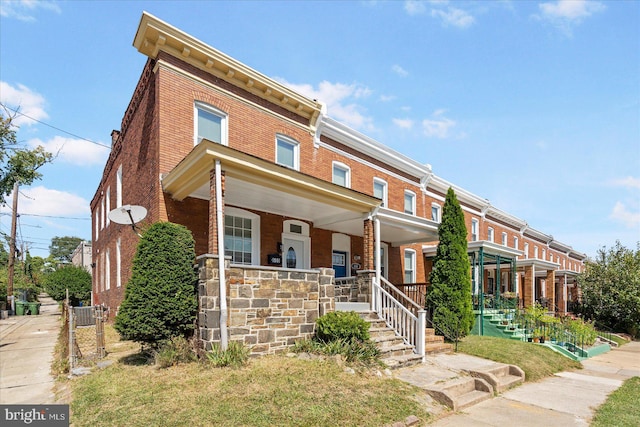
{"x": 84, "y": 333}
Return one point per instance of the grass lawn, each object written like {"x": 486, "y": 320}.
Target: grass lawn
{"x": 622, "y": 407}
{"x": 535, "y": 360}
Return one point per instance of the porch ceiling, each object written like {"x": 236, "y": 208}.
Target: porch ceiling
{"x": 257, "y": 184}
{"x": 539, "y": 264}
{"x": 488, "y": 248}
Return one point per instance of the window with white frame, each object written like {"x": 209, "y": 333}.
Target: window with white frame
{"x": 287, "y": 152}
{"x": 242, "y": 236}
{"x": 108, "y": 204}
{"x": 107, "y": 272}
{"x": 341, "y": 174}
{"x": 474, "y": 230}
{"x": 409, "y": 202}
{"x": 119, "y": 187}
{"x": 118, "y": 264}
{"x": 96, "y": 218}
{"x": 490, "y": 234}
{"x": 435, "y": 212}
{"x": 526, "y": 250}
{"x": 544, "y": 254}
{"x": 504, "y": 239}
{"x": 210, "y": 123}
{"x": 515, "y": 242}
{"x": 535, "y": 252}
{"x": 380, "y": 190}
{"x": 409, "y": 266}
{"x": 102, "y": 214}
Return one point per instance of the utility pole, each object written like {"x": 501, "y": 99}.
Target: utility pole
{"x": 12, "y": 248}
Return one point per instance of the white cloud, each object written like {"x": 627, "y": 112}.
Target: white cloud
{"x": 454, "y": 17}
{"x": 414, "y": 7}
{"x": 339, "y": 98}
{"x": 387, "y": 98}
{"x": 46, "y": 201}
{"x": 629, "y": 182}
{"x": 399, "y": 70}
{"x": 24, "y": 100}
{"x": 622, "y": 214}
{"x": 23, "y": 10}
{"x": 564, "y": 14}
{"x": 403, "y": 123}
{"x": 74, "y": 151}
{"x": 438, "y": 126}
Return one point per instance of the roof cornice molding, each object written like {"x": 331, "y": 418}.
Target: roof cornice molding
{"x": 505, "y": 217}
{"x": 539, "y": 235}
{"x": 442, "y": 185}
{"x": 154, "y": 35}
{"x": 345, "y": 135}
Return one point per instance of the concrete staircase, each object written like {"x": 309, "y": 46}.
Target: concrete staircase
{"x": 461, "y": 393}
{"x": 435, "y": 344}
{"x": 394, "y": 352}
{"x": 500, "y": 377}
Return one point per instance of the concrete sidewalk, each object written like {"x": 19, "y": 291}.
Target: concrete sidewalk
{"x": 26, "y": 353}
{"x": 565, "y": 399}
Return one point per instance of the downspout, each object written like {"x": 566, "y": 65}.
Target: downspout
{"x": 221, "y": 269}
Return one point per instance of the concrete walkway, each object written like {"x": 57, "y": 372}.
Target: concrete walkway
{"x": 565, "y": 399}
{"x": 26, "y": 353}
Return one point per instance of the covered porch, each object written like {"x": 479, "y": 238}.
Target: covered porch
{"x": 538, "y": 283}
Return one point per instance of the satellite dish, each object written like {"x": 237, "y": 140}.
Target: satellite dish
{"x": 128, "y": 215}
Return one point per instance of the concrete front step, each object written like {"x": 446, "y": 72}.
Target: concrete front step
{"x": 461, "y": 393}
{"x": 500, "y": 376}
{"x": 395, "y": 362}
{"x": 393, "y": 351}
{"x": 439, "y": 347}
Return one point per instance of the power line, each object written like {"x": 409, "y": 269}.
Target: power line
{"x": 53, "y": 127}
{"x": 57, "y": 217}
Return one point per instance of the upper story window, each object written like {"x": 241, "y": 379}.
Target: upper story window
{"x": 526, "y": 250}
{"x": 474, "y": 230}
{"x": 409, "y": 202}
{"x": 515, "y": 242}
{"x": 287, "y": 152}
{"x": 490, "y": 234}
{"x": 108, "y": 204}
{"x": 544, "y": 254}
{"x": 504, "y": 239}
{"x": 210, "y": 123}
{"x": 119, "y": 187}
{"x": 435, "y": 212}
{"x": 535, "y": 252}
{"x": 380, "y": 190}
{"x": 341, "y": 174}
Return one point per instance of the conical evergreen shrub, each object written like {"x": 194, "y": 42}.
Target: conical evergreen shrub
{"x": 160, "y": 299}
{"x": 449, "y": 295}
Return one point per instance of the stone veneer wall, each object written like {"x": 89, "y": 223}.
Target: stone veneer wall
{"x": 269, "y": 308}
{"x": 355, "y": 289}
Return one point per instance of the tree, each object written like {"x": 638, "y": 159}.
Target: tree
{"x": 61, "y": 248}
{"x": 74, "y": 278}
{"x": 610, "y": 288}
{"x": 449, "y": 294}
{"x": 160, "y": 298}
{"x": 17, "y": 163}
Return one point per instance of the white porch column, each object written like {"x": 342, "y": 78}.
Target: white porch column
{"x": 221, "y": 272}
{"x": 376, "y": 257}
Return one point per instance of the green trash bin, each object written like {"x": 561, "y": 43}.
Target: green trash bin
{"x": 34, "y": 307}
{"x": 20, "y": 308}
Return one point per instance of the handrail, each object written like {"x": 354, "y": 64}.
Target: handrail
{"x": 400, "y": 313}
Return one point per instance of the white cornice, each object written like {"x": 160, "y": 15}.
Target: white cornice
{"x": 366, "y": 145}
{"x": 155, "y": 35}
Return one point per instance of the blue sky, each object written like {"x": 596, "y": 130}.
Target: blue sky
{"x": 533, "y": 105}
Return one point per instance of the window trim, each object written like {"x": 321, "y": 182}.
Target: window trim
{"x": 296, "y": 150}
{"x": 526, "y": 250}
{"x": 347, "y": 170}
{"x": 413, "y": 202}
{"x": 118, "y": 263}
{"x": 224, "y": 134}
{"x": 385, "y": 193}
{"x": 108, "y": 204}
{"x": 505, "y": 239}
{"x": 475, "y": 224}
{"x": 119, "y": 187}
{"x": 412, "y": 270}
{"x": 490, "y": 234}
{"x": 438, "y": 217}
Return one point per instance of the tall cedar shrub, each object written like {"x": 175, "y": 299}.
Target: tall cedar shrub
{"x": 449, "y": 295}
{"x": 160, "y": 299}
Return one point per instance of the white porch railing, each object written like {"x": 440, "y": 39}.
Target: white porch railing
{"x": 407, "y": 318}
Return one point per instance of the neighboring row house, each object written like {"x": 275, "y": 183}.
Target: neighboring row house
{"x": 309, "y": 213}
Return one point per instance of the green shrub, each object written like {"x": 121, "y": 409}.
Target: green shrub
{"x": 235, "y": 356}
{"x": 76, "y": 279}
{"x": 341, "y": 325}
{"x": 174, "y": 351}
{"x": 160, "y": 299}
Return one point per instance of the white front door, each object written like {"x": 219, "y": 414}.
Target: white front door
{"x": 295, "y": 253}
